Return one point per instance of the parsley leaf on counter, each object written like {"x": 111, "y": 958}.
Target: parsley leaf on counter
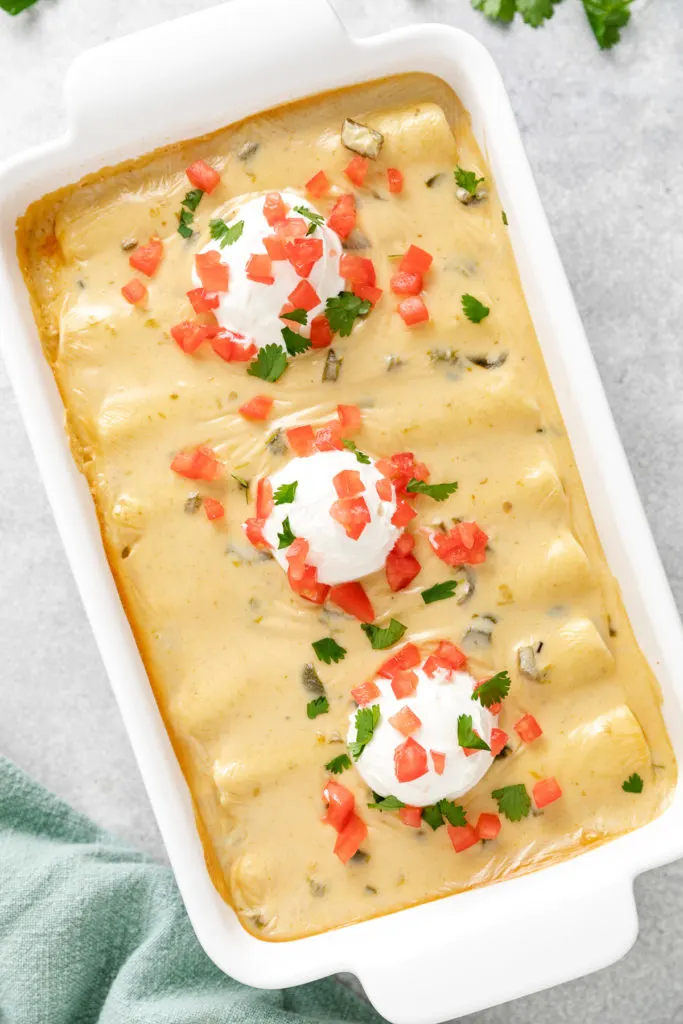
{"x": 439, "y": 592}
{"x": 383, "y": 638}
{"x": 285, "y": 493}
{"x": 225, "y": 234}
{"x": 286, "y": 537}
{"x": 316, "y": 219}
{"x": 386, "y": 803}
{"x": 633, "y": 784}
{"x": 317, "y": 706}
{"x": 493, "y": 690}
{"x": 298, "y": 316}
{"x": 496, "y": 10}
{"x": 360, "y": 456}
{"x": 433, "y": 816}
{"x": 473, "y": 309}
{"x": 341, "y": 311}
{"x": 366, "y": 723}
{"x": 439, "y": 492}
{"x": 606, "y": 17}
{"x": 535, "y": 12}
{"x": 467, "y": 737}
{"x": 513, "y": 801}
{"x": 295, "y": 343}
{"x": 269, "y": 364}
{"x": 467, "y": 180}
{"x": 452, "y": 812}
{"x": 338, "y": 764}
{"x": 328, "y": 650}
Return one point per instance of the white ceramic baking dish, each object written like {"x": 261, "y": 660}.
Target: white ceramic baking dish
{"x": 465, "y": 952}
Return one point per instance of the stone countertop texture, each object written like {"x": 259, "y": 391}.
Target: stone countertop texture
{"x": 604, "y": 133}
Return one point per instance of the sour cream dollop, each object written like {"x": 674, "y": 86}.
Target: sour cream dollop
{"x": 252, "y": 308}
{"x": 337, "y": 557}
{"x": 438, "y": 702}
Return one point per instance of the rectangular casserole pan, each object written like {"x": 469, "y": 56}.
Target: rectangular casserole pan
{"x": 538, "y": 930}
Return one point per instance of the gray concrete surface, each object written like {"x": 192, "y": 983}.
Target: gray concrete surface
{"x": 604, "y": 133}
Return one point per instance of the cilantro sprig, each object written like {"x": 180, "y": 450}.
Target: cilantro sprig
{"x": 286, "y": 537}
{"x": 328, "y": 650}
{"x": 386, "y": 803}
{"x": 633, "y": 784}
{"x": 474, "y": 310}
{"x": 467, "y": 737}
{"x": 294, "y": 343}
{"x": 225, "y": 234}
{"x": 467, "y": 180}
{"x": 186, "y": 215}
{"x": 367, "y": 720}
{"x": 338, "y": 764}
{"x": 269, "y": 364}
{"x": 343, "y": 309}
{"x": 444, "y": 811}
{"x": 493, "y": 690}
{"x": 317, "y": 706}
{"x": 440, "y": 591}
{"x": 297, "y": 316}
{"x": 605, "y": 17}
{"x": 316, "y": 219}
{"x": 513, "y": 801}
{"x": 439, "y": 492}
{"x": 380, "y": 638}
{"x": 285, "y": 493}
{"x": 360, "y": 456}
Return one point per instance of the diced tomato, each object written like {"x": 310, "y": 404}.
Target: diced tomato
{"x": 274, "y": 209}
{"x": 460, "y": 546}
{"x": 275, "y": 247}
{"x": 408, "y": 657}
{"x": 411, "y": 816}
{"x": 410, "y": 760}
{"x": 304, "y": 296}
{"x": 303, "y": 254}
{"x": 528, "y": 729}
{"x": 395, "y": 179}
{"x": 318, "y": 185}
{"x": 452, "y": 654}
{"x": 496, "y": 708}
{"x": 401, "y": 567}
{"x": 340, "y": 804}
{"x": 292, "y": 227}
{"x": 433, "y": 664}
{"x": 343, "y": 216}
{"x": 264, "y": 498}
{"x": 296, "y": 556}
{"x": 350, "y": 838}
{"x": 350, "y": 417}
{"x": 384, "y": 489}
{"x": 357, "y": 169}
{"x": 260, "y": 268}
{"x": 253, "y": 529}
{"x": 201, "y": 301}
{"x": 308, "y": 586}
{"x": 146, "y": 258}
{"x": 405, "y": 544}
{"x": 351, "y": 513}
{"x": 357, "y": 269}
{"x": 412, "y": 311}
{"x": 240, "y": 353}
{"x": 214, "y": 275}
{"x": 257, "y": 408}
{"x": 203, "y": 176}
{"x": 488, "y": 826}
{"x": 416, "y": 260}
{"x": 328, "y": 438}
{"x": 439, "y": 761}
{"x": 352, "y": 599}
{"x": 365, "y": 693}
{"x": 462, "y": 837}
{"x": 368, "y": 292}
{"x": 213, "y": 508}
{"x": 301, "y": 440}
{"x": 348, "y": 483}
{"x": 403, "y": 283}
{"x": 403, "y": 515}
{"x": 546, "y": 792}
{"x": 189, "y": 335}
{"x": 405, "y": 721}
{"x": 497, "y": 741}
{"x": 232, "y": 346}
{"x": 134, "y": 292}
{"x": 200, "y": 464}
{"x": 321, "y": 332}
{"x": 404, "y": 683}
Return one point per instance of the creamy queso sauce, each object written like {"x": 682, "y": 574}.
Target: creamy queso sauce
{"x": 222, "y": 635}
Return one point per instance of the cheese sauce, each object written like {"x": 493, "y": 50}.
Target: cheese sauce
{"x": 224, "y": 639}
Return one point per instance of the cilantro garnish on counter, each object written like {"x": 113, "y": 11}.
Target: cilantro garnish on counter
{"x": 439, "y": 492}
{"x": 473, "y": 309}
{"x": 295, "y": 343}
{"x": 633, "y": 784}
{"x": 467, "y": 737}
{"x": 605, "y": 17}
{"x": 225, "y": 234}
{"x": 383, "y": 638}
{"x": 286, "y": 537}
{"x": 317, "y": 706}
{"x": 285, "y": 493}
{"x": 439, "y": 592}
{"x": 467, "y": 180}
{"x": 366, "y": 723}
{"x": 493, "y": 690}
{"x": 338, "y": 764}
{"x": 341, "y": 311}
{"x": 360, "y": 456}
{"x": 513, "y": 801}
{"x": 297, "y": 316}
{"x": 316, "y": 219}
{"x": 328, "y": 650}
{"x": 269, "y": 364}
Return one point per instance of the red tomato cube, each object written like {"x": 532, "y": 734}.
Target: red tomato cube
{"x": 408, "y": 657}
{"x": 365, "y": 693}
{"x": 497, "y": 741}
{"x": 350, "y": 417}
{"x": 411, "y": 816}
{"x": 200, "y": 464}
{"x": 275, "y": 247}
{"x": 257, "y": 408}
{"x": 384, "y": 489}
{"x": 353, "y": 600}
{"x": 301, "y": 440}
{"x": 146, "y": 258}
{"x": 189, "y": 335}
{"x": 357, "y": 269}
{"x": 357, "y": 169}
{"x": 134, "y": 292}
{"x": 488, "y": 826}
{"x": 350, "y": 838}
{"x": 213, "y": 508}
{"x": 307, "y": 585}
{"x": 351, "y": 513}
{"x": 260, "y": 268}
{"x": 546, "y": 792}
{"x": 201, "y": 301}
{"x": 348, "y": 483}
{"x": 462, "y": 837}
{"x": 401, "y": 569}
{"x": 274, "y": 209}
{"x": 403, "y": 283}
{"x": 253, "y": 529}
{"x": 452, "y": 654}
{"x": 202, "y": 176}
{"x": 416, "y": 260}
{"x": 403, "y": 515}
{"x": 328, "y": 438}
{"x": 342, "y": 219}
{"x": 412, "y": 311}
{"x": 404, "y": 683}
{"x": 303, "y": 254}
{"x": 439, "y": 761}
{"x": 395, "y": 179}
{"x": 405, "y": 721}
{"x": 318, "y": 185}
{"x": 528, "y": 729}
{"x": 340, "y": 804}
{"x": 304, "y": 296}
{"x": 214, "y": 275}
{"x": 321, "y": 332}
{"x": 368, "y": 292}
{"x": 410, "y": 760}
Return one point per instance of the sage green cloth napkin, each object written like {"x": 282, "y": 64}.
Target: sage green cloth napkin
{"x": 93, "y": 931}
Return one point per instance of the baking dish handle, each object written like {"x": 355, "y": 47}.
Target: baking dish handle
{"x": 487, "y": 960}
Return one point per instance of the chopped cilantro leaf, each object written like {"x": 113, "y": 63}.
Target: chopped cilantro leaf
{"x": 439, "y": 492}
{"x": 285, "y": 493}
{"x": 317, "y": 706}
{"x": 286, "y": 537}
{"x": 360, "y": 456}
{"x": 341, "y": 311}
{"x": 493, "y": 690}
{"x": 295, "y": 343}
{"x": 505, "y": 218}
{"x": 316, "y": 219}
{"x": 453, "y": 813}
{"x": 513, "y": 801}
{"x": 439, "y": 592}
{"x": 467, "y": 737}
{"x": 244, "y": 484}
{"x": 185, "y": 218}
{"x": 328, "y": 650}
{"x": 473, "y": 309}
{"x": 192, "y": 199}
{"x": 297, "y": 316}
{"x": 496, "y": 10}
{"x": 606, "y": 17}
{"x": 225, "y": 234}
{"x": 386, "y": 803}
{"x": 535, "y": 12}
{"x": 366, "y": 723}
{"x": 383, "y": 638}
{"x": 633, "y": 784}
{"x": 269, "y": 364}
{"x": 338, "y": 764}
{"x": 467, "y": 180}
{"x": 433, "y": 816}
